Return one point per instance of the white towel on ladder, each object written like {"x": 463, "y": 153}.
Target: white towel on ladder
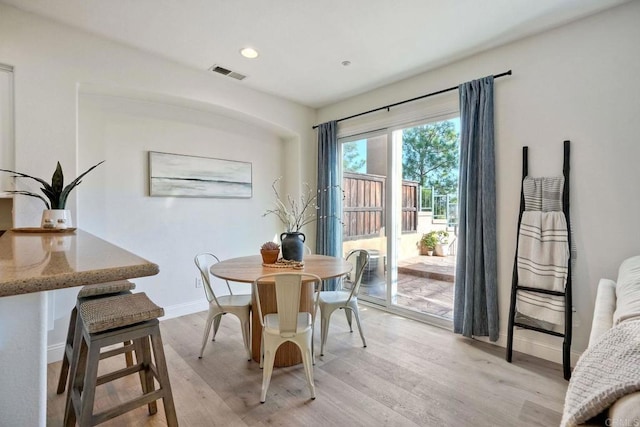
{"x": 548, "y": 308}
{"x": 543, "y": 256}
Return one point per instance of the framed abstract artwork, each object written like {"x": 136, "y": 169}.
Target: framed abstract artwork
{"x": 179, "y": 175}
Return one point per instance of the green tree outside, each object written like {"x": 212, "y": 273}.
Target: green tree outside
{"x": 352, "y": 160}
{"x": 430, "y": 156}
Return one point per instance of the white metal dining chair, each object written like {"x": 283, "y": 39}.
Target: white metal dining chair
{"x": 345, "y": 297}
{"x": 219, "y": 305}
{"x": 287, "y": 324}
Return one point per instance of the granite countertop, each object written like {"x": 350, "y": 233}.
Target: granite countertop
{"x": 35, "y": 262}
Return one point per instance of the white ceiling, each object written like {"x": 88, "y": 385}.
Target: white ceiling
{"x": 302, "y": 43}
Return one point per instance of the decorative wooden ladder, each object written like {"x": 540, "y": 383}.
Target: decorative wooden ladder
{"x": 515, "y": 287}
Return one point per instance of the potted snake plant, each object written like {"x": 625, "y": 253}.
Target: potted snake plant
{"x": 56, "y": 215}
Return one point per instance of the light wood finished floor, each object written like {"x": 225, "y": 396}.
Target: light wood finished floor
{"x": 411, "y": 374}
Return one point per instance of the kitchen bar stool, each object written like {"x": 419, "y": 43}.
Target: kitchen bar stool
{"x": 104, "y": 322}
{"x": 91, "y": 291}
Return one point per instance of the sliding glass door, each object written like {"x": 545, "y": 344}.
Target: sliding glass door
{"x": 401, "y": 186}
{"x": 364, "y": 181}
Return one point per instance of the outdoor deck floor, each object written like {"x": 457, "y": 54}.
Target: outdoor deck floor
{"x": 425, "y": 284}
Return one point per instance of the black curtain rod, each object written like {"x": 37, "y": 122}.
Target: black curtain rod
{"x": 387, "y": 107}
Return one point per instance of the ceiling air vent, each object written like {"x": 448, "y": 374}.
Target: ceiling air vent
{"x": 227, "y": 72}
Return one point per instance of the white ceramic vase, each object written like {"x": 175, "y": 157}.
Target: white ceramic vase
{"x": 56, "y": 218}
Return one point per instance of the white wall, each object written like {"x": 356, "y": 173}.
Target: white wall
{"x": 80, "y": 99}
{"x": 578, "y": 82}
{"x": 171, "y": 230}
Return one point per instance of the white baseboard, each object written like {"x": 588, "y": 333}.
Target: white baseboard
{"x": 55, "y": 351}
{"x": 178, "y": 310}
{"x": 543, "y": 350}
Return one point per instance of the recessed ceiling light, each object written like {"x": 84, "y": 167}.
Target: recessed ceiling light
{"x": 249, "y": 52}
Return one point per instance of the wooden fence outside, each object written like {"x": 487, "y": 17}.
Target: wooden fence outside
{"x": 364, "y": 205}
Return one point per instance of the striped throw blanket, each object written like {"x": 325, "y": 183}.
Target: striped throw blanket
{"x": 543, "y": 254}
{"x": 543, "y": 194}
{"x": 543, "y": 250}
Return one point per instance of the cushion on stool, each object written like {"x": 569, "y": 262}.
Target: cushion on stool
{"x": 106, "y": 288}
{"x": 114, "y": 312}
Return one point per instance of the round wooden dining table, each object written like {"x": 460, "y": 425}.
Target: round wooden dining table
{"x": 247, "y": 269}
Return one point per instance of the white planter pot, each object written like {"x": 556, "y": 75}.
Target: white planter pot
{"x": 59, "y": 218}
{"x": 442, "y": 249}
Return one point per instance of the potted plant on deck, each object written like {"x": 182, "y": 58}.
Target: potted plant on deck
{"x": 428, "y": 243}
{"x": 442, "y": 245}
